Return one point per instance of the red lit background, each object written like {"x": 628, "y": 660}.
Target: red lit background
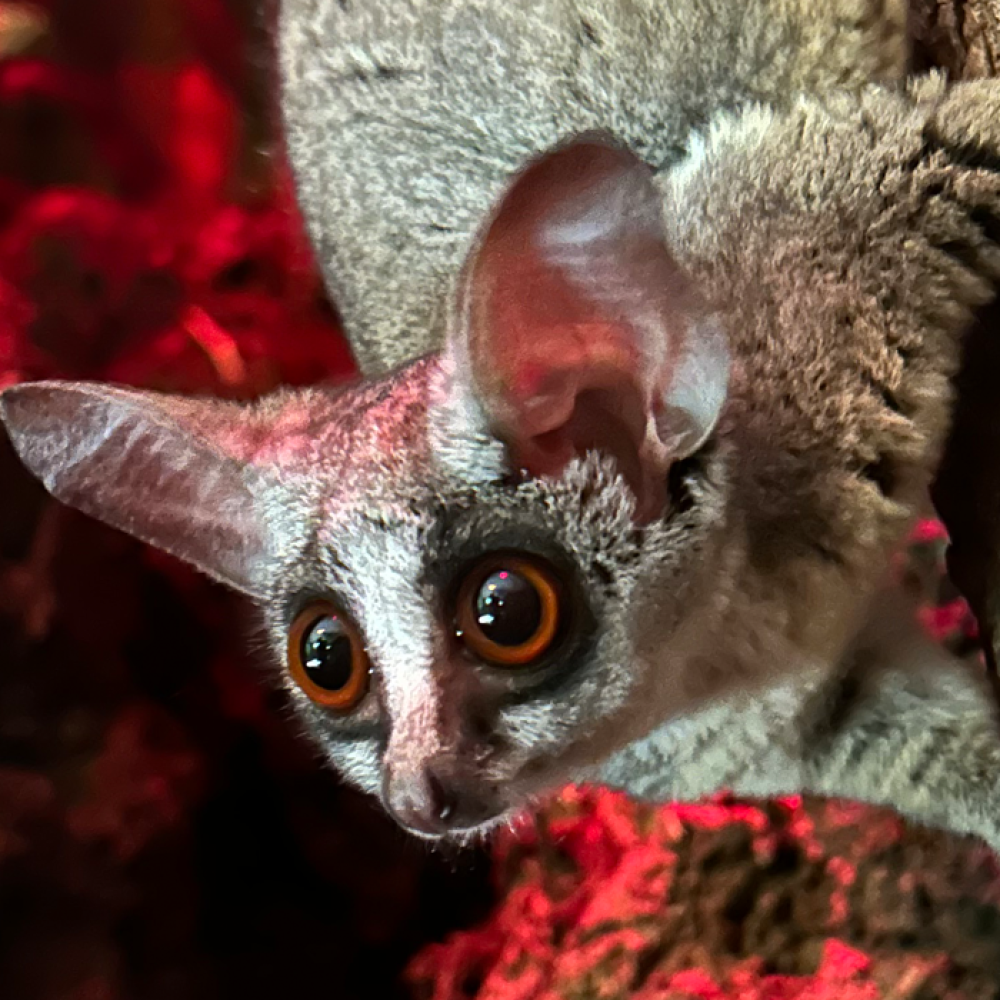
{"x": 163, "y": 834}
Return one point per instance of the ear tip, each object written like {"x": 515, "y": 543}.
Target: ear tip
{"x": 31, "y": 412}
{"x": 21, "y": 396}
{"x": 14, "y": 400}
{"x": 27, "y": 389}
{"x": 19, "y": 412}
{"x": 20, "y": 402}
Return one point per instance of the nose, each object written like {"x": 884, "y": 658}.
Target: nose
{"x": 429, "y": 801}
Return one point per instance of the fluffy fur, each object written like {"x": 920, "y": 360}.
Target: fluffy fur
{"x": 841, "y": 231}
{"x": 443, "y": 100}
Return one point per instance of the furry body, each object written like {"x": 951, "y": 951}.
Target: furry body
{"x": 840, "y": 232}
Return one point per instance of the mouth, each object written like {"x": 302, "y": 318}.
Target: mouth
{"x": 462, "y": 834}
{"x": 463, "y": 813}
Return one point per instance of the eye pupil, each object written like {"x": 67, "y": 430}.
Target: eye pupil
{"x": 327, "y": 654}
{"x": 508, "y": 608}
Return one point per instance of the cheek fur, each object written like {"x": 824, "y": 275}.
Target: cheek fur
{"x": 553, "y": 724}
{"x": 358, "y": 761}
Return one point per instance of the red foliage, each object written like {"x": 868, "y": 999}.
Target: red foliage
{"x": 196, "y": 278}
{"x": 606, "y": 898}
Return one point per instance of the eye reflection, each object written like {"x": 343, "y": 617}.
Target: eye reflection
{"x": 327, "y": 658}
{"x": 509, "y": 610}
{"x": 327, "y": 654}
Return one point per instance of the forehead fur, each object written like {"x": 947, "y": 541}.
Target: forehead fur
{"x": 360, "y": 439}
{"x": 372, "y": 441}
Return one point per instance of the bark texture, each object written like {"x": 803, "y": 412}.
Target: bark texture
{"x": 959, "y": 36}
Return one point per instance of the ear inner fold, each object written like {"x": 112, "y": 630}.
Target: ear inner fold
{"x": 579, "y": 327}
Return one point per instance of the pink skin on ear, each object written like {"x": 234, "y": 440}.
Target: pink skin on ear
{"x": 577, "y": 323}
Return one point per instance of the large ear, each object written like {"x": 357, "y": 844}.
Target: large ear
{"x": 161, "y": 468}
{"x": 577, "y": 328}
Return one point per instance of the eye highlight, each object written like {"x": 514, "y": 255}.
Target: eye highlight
{"x": 327, "y": 658}
{"x": 509, "y": 610}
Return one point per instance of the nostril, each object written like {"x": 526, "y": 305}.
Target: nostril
{"x": 434, "y": 800}
{"x": 442, "y": 800}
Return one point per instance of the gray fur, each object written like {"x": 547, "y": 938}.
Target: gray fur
{"x": 900, "y": 724}
{"x": 405, "y": 120}
{"x": 842, "y": 233}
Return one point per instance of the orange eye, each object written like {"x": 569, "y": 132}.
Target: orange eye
{"x": 327, "y": 658}
{"x": 509, "y": 610}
